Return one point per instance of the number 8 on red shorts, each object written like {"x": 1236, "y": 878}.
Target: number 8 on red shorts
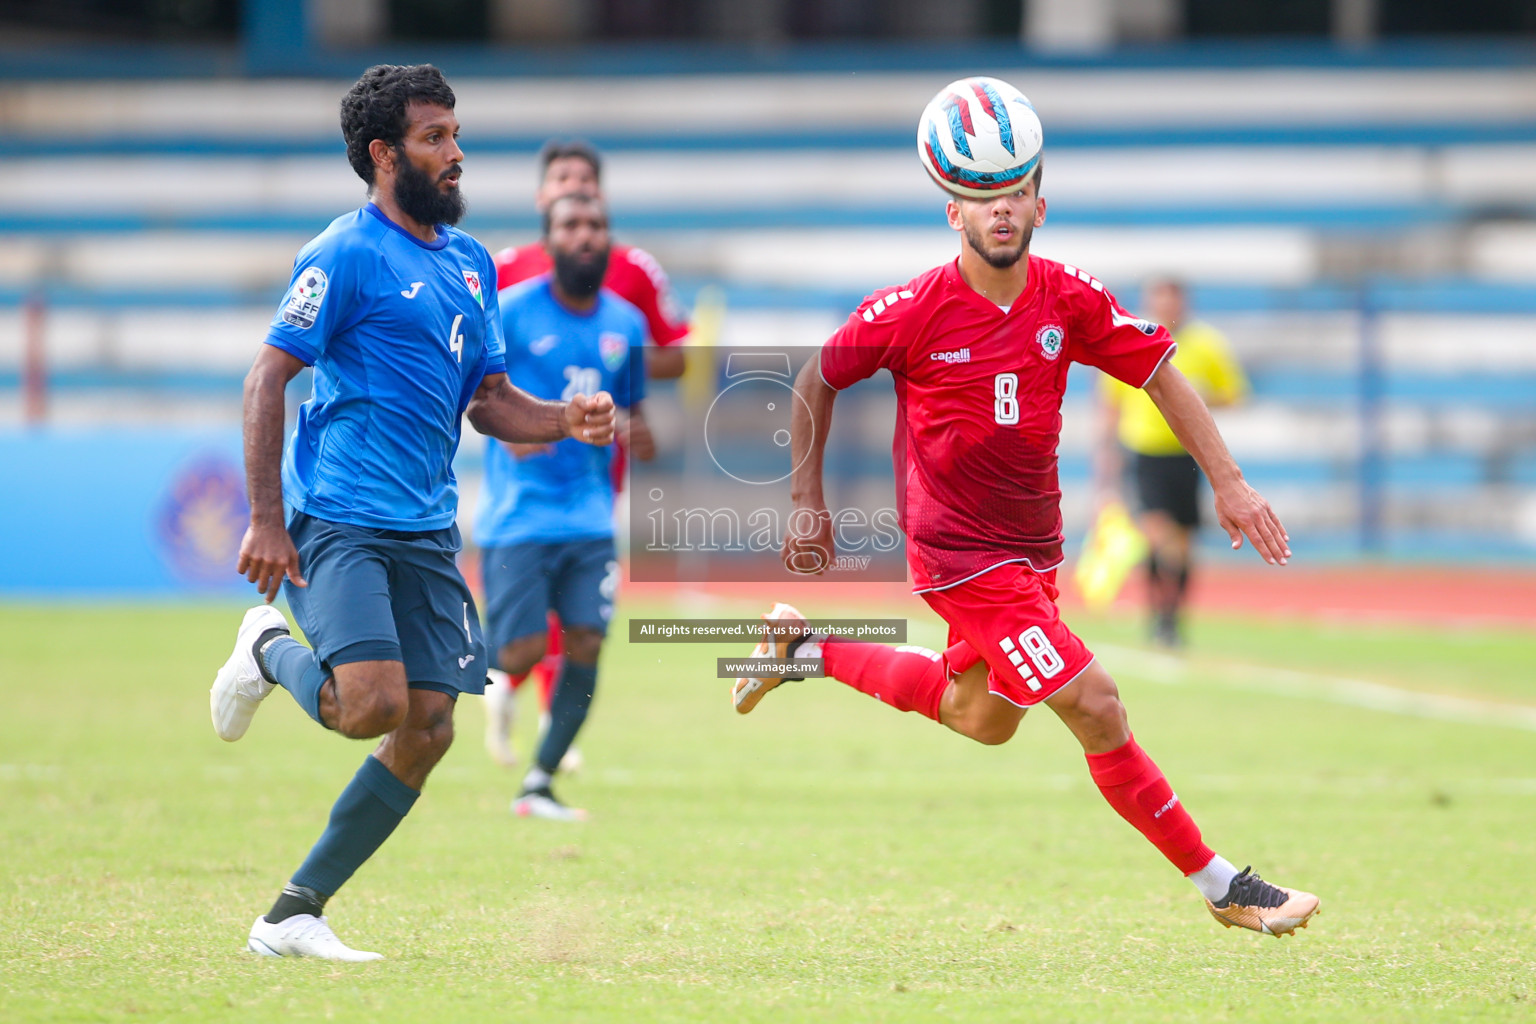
{"x": 1008, "y": 618}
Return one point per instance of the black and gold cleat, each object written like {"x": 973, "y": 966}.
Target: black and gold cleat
{"x": 784, "y": 630}
{"x": 1254, "y": 904}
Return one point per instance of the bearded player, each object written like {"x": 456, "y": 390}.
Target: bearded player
{"x": 979, "y": 349}
{"x": 571, "y": 166}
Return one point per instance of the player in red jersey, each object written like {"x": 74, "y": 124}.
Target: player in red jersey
{"x": 568, "y": 166}
{"x": 633, "y": 274}
{"x": 979, "y": 349}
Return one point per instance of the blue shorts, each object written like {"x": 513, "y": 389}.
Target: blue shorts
{"x": 388, "y": 595}
{"x": 523, "y": 582}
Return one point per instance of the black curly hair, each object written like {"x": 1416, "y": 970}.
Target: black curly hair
{"x": 560, "y": 149}
{"x": 375, "y": 108}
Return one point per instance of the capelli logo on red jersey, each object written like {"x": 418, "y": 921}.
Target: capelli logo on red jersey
{"x": 959, "y": 356}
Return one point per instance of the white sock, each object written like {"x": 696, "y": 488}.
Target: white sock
{"x": 538, "y": 778}
{"x": 1215, "y": 878}
{"x": 500, "y": 707}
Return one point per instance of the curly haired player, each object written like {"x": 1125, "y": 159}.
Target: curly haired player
{"x": 979, "y": 349}
{"x": 393, "y": 308}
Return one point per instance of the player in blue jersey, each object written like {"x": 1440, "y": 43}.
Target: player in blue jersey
{"x": 545, "y": 519}
{"x": 396, "y": 312}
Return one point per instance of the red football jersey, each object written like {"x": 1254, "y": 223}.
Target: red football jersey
{"x": 979, "y": 406}
{"x": 633, "y": 274}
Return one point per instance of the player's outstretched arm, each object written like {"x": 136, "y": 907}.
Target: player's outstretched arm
{"x": 510, "y": 414}
{"x": 267, "y": 553}
{"x": 808, "y": 545}
{"x": 1241, "y": 510}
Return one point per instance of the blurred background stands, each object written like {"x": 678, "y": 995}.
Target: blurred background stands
{"x": 1349, "y": 188}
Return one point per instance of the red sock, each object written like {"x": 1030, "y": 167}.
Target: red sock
{"x": 548, "y": 671}
{"x": 904, "y": 678}
{"x": 1136, "y": 788}
{"x": 549, "y": 666}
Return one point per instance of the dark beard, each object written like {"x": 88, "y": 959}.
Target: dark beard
{"x": 1000, "y": 259}
{"x": 420, "y": 199}
{"x": 580, "y": 278}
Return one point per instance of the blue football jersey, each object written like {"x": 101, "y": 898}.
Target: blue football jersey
{"x": 553, "y": 353}
{"x": 400, "y": 334}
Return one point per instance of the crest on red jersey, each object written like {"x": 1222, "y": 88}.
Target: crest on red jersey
{"x": 1051, "y": 338}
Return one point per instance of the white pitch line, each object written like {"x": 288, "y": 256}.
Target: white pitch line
{"x": 1360, "y": 693}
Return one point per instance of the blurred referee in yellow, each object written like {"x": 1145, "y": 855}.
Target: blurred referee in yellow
{"x": 1165, "y": 476}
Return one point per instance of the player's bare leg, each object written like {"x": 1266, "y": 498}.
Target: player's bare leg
{"x": 908, "y": 678}
{"x": 365, "y": 699}
{"x": 1136, "y": 788}
{"x": 973, "y": 711}
{"x": 412, "y": 750}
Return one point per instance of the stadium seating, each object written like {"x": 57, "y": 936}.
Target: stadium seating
{"x": 1364, "y": 234}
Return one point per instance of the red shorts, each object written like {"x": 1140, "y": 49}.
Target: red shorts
{"x": 1007, "y": 617}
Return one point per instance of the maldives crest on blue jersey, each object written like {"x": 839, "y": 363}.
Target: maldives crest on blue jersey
{"x": 613, "y": 347}
{"x": 472, "y": 278}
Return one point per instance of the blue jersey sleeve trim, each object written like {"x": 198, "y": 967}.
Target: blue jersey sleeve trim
{"x": 495, "y": 366}
{"x": 279, "y": 339}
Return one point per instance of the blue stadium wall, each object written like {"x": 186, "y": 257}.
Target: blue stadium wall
{"x": 136, "y": 511}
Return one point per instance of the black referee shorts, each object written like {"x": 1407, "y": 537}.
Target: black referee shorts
{"x": 1169, "y": 483}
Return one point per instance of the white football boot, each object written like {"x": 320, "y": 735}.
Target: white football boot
{"x": 239, "y": 688}
{"x": 541, "y": 803}
{"x": 303, "y": 935}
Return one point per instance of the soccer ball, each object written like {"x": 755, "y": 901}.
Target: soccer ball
{"x": 979, "y": 138}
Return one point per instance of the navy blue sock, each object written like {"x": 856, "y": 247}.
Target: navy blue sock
{"x": 295, "y": 668}
{"x": 367, "y": 811}
{"x": 567, "y": 710}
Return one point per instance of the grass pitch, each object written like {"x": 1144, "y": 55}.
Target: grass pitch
{"x": 822, "y": 859}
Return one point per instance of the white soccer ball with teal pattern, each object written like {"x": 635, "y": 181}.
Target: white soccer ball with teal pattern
{"x": 979, "y": 137}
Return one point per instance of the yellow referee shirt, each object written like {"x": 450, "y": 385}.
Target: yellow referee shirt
{"x": 1205, "y": 358}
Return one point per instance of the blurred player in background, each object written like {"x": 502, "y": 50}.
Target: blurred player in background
{"x": 1166, "y": 476}
{"x": 355, "y": 522}
{"x": 633, "y": 274}
{"x": 567, "y": 166}
{"x": 545, "y": 519}
{"x": 979, "y": 349}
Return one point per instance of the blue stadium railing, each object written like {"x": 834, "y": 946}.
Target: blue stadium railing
{"x": 1336, "y": 217}
{"x": 713, "y": 138}
{"x": 273, "y": 51}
